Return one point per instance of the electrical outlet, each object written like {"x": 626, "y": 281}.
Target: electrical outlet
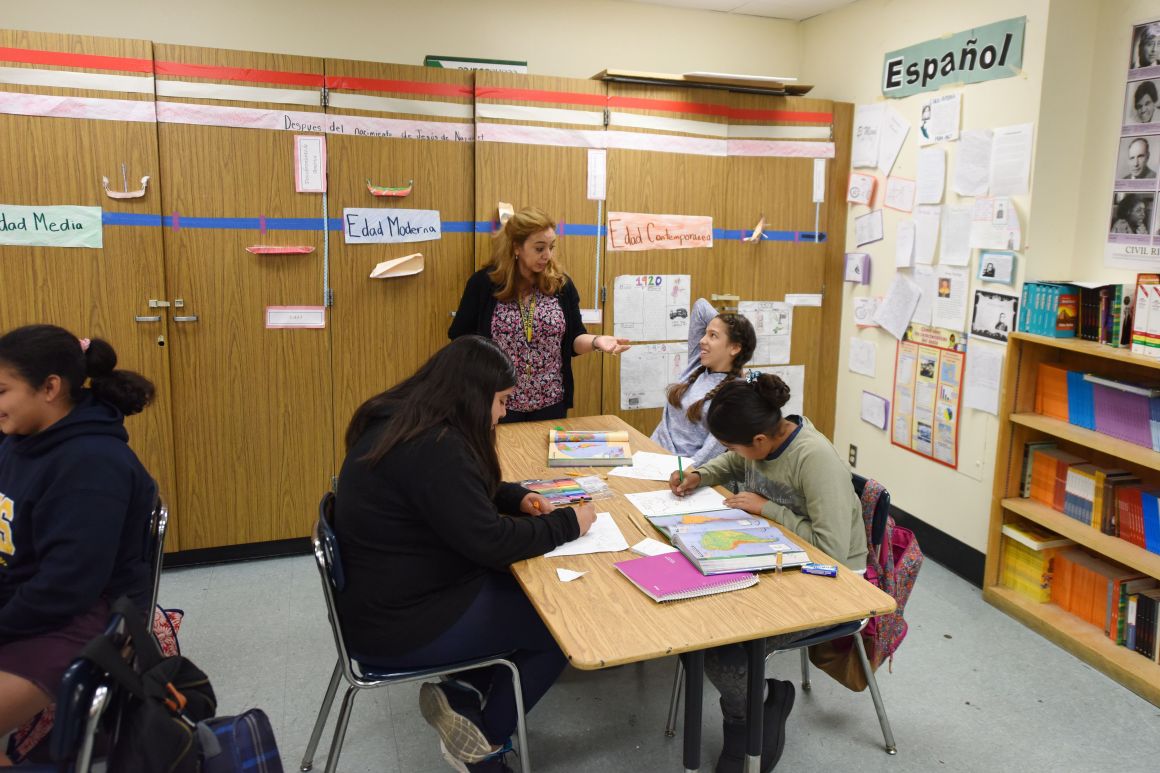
{"x": 853, "y": 455}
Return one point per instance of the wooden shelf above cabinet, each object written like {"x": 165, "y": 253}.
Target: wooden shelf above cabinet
{"x": 1112, "y": 548}
{"x": 1091, "y": 348}
{"x": 1121, "y": 449}
{"x": 1083, "y": 640}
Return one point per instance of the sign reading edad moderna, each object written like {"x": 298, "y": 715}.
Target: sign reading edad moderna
{"x": 981, "y": 54}
{"x": 390, "y": 226}
{"x": 632, "y": 231}
{"x": 61, "y": 226}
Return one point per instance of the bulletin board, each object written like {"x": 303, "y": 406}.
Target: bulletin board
{"x": 928, "y": 381}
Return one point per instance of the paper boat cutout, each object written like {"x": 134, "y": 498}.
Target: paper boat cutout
{"x": 398, "y": 192}
{"x": 125, "y": 194}
{"x": 397, "y": 267}
{"x": 271, "y": 249}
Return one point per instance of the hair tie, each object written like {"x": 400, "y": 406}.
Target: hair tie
{"x": 84, "y": 342}
{"x": 752, "y": 376}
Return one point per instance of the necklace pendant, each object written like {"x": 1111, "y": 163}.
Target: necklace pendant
{"x": 528, "y": 369}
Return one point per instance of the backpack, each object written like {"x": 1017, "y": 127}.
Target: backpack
{"x": 237, "y": 744}
{"x": 161, "y": 699}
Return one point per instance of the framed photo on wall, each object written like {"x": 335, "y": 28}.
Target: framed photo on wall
{"x": 994, "y": 315}
{"x": 997, "y": 266}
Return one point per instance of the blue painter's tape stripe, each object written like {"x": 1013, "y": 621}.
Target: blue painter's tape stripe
{"x": 459, "y": 226}
{"x": 129, "y": 218}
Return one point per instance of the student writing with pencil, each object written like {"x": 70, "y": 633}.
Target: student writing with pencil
{"x": 427, "y": 531}
{"x": 792, "y": 475}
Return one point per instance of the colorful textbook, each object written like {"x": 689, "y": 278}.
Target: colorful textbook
{"x": 738, "y": 550}
{"x": 670, "y": 576}
{"x": 588, "y": 448}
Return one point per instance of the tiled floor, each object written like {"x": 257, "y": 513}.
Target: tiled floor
{"x": 971, "y": 690}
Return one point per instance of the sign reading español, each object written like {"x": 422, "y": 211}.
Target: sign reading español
{"x": 51, "y": 226}
{"x": 981, "y": 54}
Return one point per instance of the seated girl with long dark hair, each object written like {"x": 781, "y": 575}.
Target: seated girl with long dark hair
{"x": 427, "y": 531}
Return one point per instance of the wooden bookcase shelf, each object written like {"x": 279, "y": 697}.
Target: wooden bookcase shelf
{"x": 1018, "y": 424}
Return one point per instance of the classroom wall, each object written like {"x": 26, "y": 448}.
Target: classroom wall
{"x": 842, "y": 53}
{"x": 555, "y": 37}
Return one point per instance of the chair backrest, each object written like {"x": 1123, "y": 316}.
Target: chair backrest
{"x": 881, "y": 507}
{"x": 329, "y": 562}
{"x": 85, "y": 695}
{"x": 158, "y": 524}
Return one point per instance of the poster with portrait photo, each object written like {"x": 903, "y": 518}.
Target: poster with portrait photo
{"x": 1141, "y": 99}
{"x": 1137, "y": 160}
{"x": 997, "y": 266}
{"x": 1145, "y": 54}
{"x": 994, "y": 315}
{"x": 1131, "y": 217}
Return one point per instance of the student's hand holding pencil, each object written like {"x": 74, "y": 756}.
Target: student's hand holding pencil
{"x": 684, "y": 481}
{"x": 585, "y": 515}
{"x": 535, "y": 504}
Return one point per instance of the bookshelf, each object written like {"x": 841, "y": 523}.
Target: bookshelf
{"x": 1019, "y": 424}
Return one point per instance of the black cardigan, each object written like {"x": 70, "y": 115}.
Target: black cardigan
{"x": 418, "y": 534}
{"x": 477, "y": 306}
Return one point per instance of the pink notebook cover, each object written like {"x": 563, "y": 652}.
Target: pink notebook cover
{"x": 671, "y": 576}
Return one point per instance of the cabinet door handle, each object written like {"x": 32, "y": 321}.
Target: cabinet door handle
{"x": 187, "y": 318}
{"x": 156, "y": 318}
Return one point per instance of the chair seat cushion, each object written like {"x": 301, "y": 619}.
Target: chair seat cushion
{"x": 837, "y": 632}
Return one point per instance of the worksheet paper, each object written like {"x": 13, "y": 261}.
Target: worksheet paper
{"x": 949, "y": 310}
{"x": 646, "y": 370}
{"x": 897, "y": 307}
{"x": 863, "y": 357}
{"x": 894, "y": 130}
{"x": 794, "y": 377}
{"x": 647, "y": 465}
{"x": 973, "y": 163}
{"x": 867, "y": 132}
{"x": 773, "y": 324}
{"x": 652, "y": 307}
{"x": 983, "y": 376}
{"x": 955, "y": 238}
{"x": 665, "y": 502}
{"x": 995, "y": 225}
{"x": 926, "y": 222}
{"x": 1011, "y": 160}
{"x": 602, "y": 537}
{"x": 924, "y": 277}
{"x": 940, "y": 119}
{"x": 868, "y": 228}
{"x": 875, "y": 409}
{"x": 860, "y": 189}
{"x": 597, "y": 173}
{"x": 931, "y": 176}
{"x": 904, "y": 244}
{"x": 899, "y": 194}
{"x": 864, "y": 310}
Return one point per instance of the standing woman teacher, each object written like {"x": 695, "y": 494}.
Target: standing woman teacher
{"x": 525, "y": 303}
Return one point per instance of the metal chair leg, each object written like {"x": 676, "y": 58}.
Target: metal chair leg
{"x": 323, "y": 713}
{"x": 340, "y": 729}
{"x": 675, "y": 700}
{"x": 805, "y": 670}
{"x": 521, "y": 722}
{"x": 887, "y": 733}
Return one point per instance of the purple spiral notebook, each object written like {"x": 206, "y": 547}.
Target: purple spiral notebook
{"x": 671, "y": 576}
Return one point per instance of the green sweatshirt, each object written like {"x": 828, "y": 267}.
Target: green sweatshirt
{"x": 809, "y": 491}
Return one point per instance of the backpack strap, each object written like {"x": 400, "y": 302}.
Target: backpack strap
{"x": 108, "y": 656}
{"x": 145, "y": 646}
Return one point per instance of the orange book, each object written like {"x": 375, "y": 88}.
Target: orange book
{"x": 1061, "y": 567}
{"x": 1051, "y": 385}
{"x": 1043, "y": 476}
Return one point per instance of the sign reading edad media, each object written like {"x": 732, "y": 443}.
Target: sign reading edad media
{"x": 390, "y": 226}
{"x": 61, "y": 226}
{"x": 981, "y": 54}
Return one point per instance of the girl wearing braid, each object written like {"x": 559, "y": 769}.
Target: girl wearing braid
{"x": 719, "y": 347}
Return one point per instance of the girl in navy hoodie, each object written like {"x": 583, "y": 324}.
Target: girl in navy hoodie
{"x": 74, "y": 506}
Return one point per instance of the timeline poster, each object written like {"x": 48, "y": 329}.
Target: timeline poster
{"x": 928, "y": 381}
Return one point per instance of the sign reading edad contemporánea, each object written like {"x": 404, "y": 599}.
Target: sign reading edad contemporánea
{"x": 981, "y": 54}
{"x": 390, "y": 226}
{"x": 62, "y": 226}
{"x": 635, "y": 231}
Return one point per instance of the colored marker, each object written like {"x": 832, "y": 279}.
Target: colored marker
{"x": 680, "y": 470}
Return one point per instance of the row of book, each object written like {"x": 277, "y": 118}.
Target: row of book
{"x": 1116, "y": 314}
{"x": 1128, "y": 410}
{"x": 1114, "y": 502}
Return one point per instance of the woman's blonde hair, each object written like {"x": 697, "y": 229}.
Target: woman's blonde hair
{"x": 515, "y": 232}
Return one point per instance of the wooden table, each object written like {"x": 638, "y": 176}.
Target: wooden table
{"x": 603, "y": 620}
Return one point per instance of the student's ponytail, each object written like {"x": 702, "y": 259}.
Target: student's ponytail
{"x": 742, "y": 410}
{"x": 129, "y": 392}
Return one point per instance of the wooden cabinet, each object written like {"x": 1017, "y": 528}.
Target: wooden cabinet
{"x": 1020, "y": 424}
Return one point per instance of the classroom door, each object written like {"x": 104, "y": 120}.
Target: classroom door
{"x": 534, "y": 133}
{"x": 53, "y": 161}
{"x": 393, "y": 125}
{"x": 252, "y": 405}
{"x": 663, "y": 162}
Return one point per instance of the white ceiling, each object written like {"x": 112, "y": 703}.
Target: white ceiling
{"x": 795, "y": 10}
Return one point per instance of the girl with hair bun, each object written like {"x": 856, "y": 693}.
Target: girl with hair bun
{"x": 792, "y": 475}
{"x": 74, "y": 506}
{"x": 719, "y": 347}
{"x": 526, "y": 303}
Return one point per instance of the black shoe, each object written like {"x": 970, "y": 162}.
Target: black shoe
{"x": 732, "y": 759}
{"x": 457, "y": 716}
{"x": 778, "y": 705}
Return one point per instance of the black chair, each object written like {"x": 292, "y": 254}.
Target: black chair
{"x": 155, "y": 543}
{"x": 358, "y": 677}
{"x": 881, "y": 510}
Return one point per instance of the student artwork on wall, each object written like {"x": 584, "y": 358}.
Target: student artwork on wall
{"x": 652, "y": 307}
{"x": 997, "y": 266}
{"x": 928, "y": 380}
{"x": 994, "y": 315}
{"x": 646, "y": 370}
{"x": 1133, "y": 239}
{"x": 773, "y": 324}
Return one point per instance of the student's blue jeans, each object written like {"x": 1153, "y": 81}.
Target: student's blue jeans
{"x": 499, "y": 620}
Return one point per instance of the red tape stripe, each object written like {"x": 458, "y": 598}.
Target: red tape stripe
{"x": 91, "y": 61}
{"x": 247, "y": 74}
{"x": 537, "y": 95}
{"x": 401, "y": 87}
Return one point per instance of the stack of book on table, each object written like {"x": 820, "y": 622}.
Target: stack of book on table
{"x": 729, "y": 541}
{"x": 588, "y": 448}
